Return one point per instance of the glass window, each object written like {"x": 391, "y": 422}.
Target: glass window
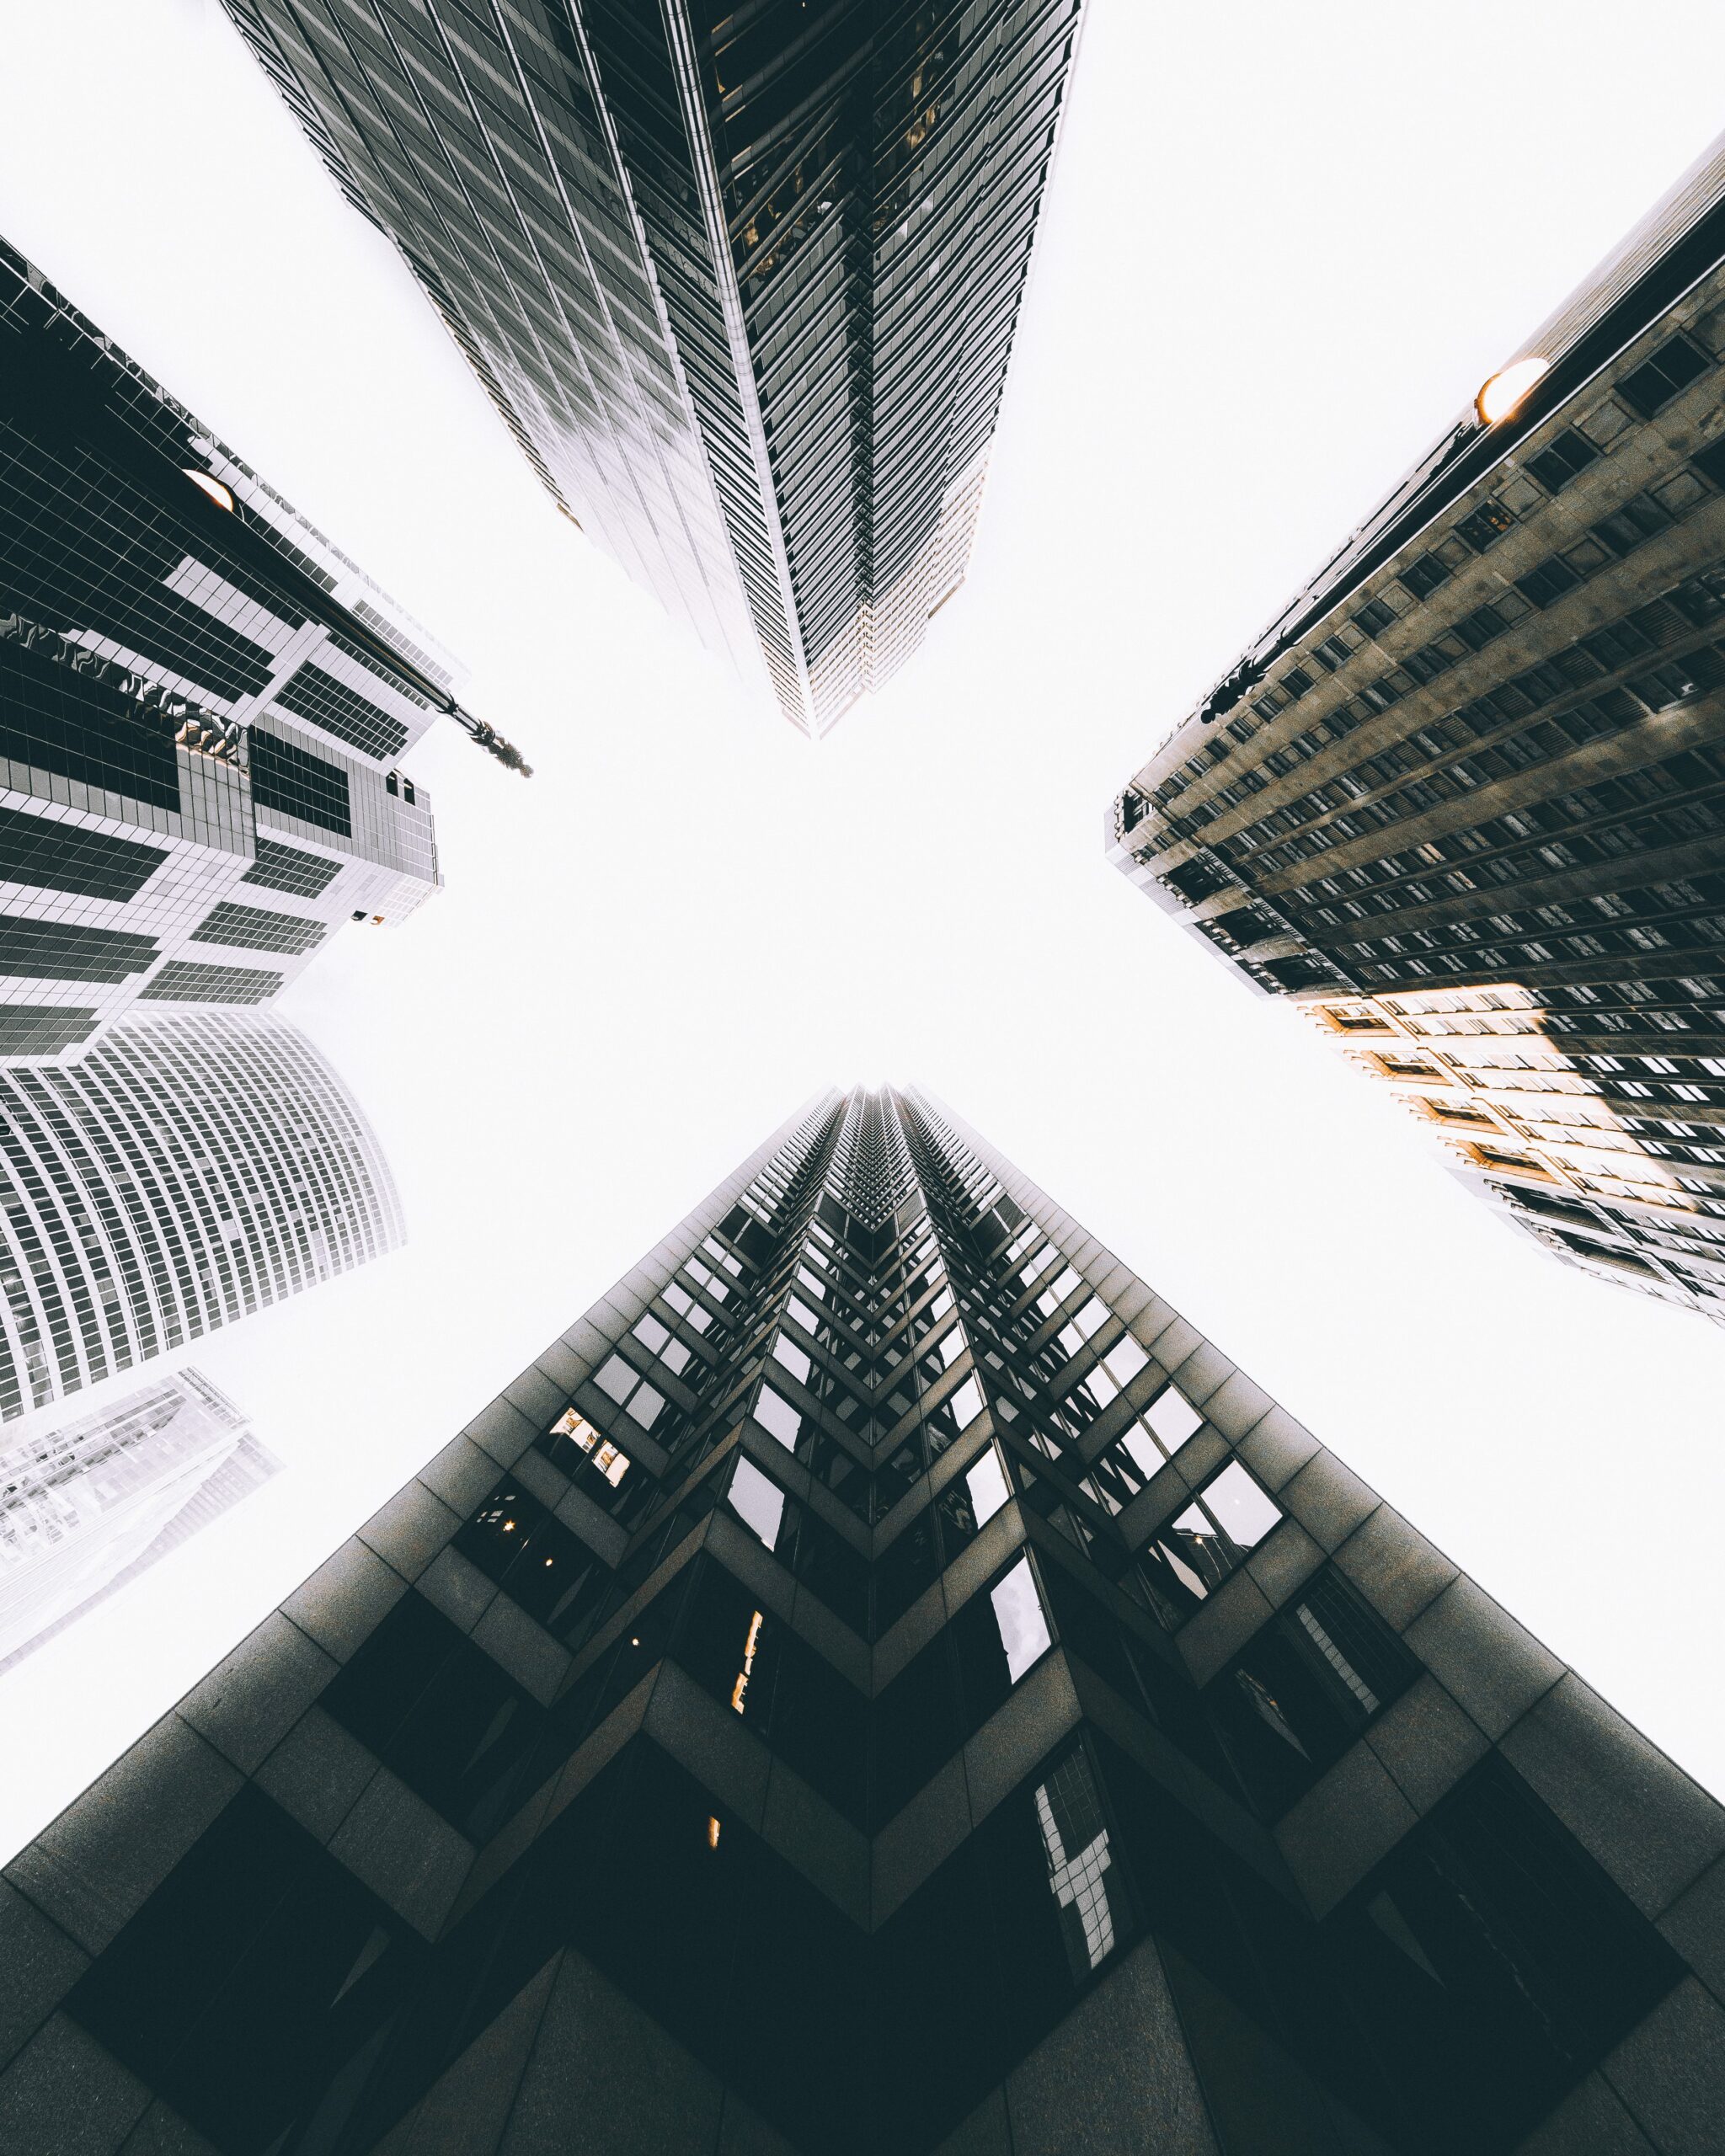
{"x": 1172, "y": 1418}
{"x": 1201, "y": 1545}
{"x": 777, "y": 1418}
{"x": 966, "y": 1403}
{"x": 1019, "y": 1613}
{"x": 644, "y": 1404}
{"x": 986, "y": 1482}
{"x": 615, "y": 1376}
{"x": 1075, "y": 1838}
{"x": 651, "y": 1334}
{"x": 610, "y": 1461}
{"x": 787, "y": 1352}
{"x": 758, "y": 1501}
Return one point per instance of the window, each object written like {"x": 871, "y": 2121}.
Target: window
{"x": 757, "y": 1501}
{"x": 1172, "y": 1418}
{"x": 613, "y": 1463}
{"x": 1304, "y": 1687}
{"x": 624, "y": 1384}
{"x": 1638, "y": 519}
{"x": 777, "y": 1418}
{"x": 1483, "y": 527}
{"x": 1074, "y": 1840}
{"x": 1201, "y": 1545}
{"x": 1547, "y": 582}
{"x": 966, "y": 1403}
{"x": 986, "y": 1484}
{"x": 1424, "y": 574}
{"x": 1676, "y": 364}
{"x": 1025, "y": 1638}
{"x": 1374, "y": 618}
{"x": 792, "y": 1358}
{"x": 1555, "y": 466}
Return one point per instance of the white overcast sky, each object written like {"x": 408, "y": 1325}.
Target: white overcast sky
{"x": 1283, "y": 245}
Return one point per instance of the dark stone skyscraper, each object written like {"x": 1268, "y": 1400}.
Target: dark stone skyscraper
{"x": 1465, "y": 798}
{"x": 743, "y": 285}
{"x": 881, "y": 1682}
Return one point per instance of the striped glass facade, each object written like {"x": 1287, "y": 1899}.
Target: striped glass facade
{"x": 202, "y": 705}
{"x": 194, "y": 1167}
{"x": 744, "y": 287}
{"x": 881, "y": 1682}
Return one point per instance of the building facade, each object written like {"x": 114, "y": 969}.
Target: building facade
{"x": 203, "y": 705}
{"x": 86, "y": 1506}
{"x": 744, "y": 291}
{"x": 1465, "y": 799}
{"x": 195, "y": 1166}
{"x": 880, "y": 1681}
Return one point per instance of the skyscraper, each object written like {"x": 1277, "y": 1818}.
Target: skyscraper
{"x": 87, "y": 1505}
{"x": 202, "y": 705}
{"x": 743, "y": 287}
{"x": 880, "y": 1682}
{"x": 1464, "y": 798}
{"x": 196, "y": 1165}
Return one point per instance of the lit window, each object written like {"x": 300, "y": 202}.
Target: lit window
{"x": 611, "y": 1463}
{"x": 1018, "y": 1612}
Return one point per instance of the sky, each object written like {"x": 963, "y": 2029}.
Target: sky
{"x": 1282, "y": 246}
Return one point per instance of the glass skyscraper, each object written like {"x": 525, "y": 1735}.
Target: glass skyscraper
{"x": 880, "y": 1682}
{"x": 743, "y": 285}
{"x": 194, "y": 1167}
{"x": 88, "y": 1504}
{"x": 1463, "y": 799}
{"x": 202, "y": 705}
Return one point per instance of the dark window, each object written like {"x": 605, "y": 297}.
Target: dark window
{"x": 63, "y": 856}
{"x": 536, "y": 1561}
{"x": 181, "y": 981}
{"x": 1710, "y": 463}
{"x": 319, "y": 697}
{"x": 55, "y": 718}
{"x": 279, "y": 867}
{"x": 1555, "y": 466}
{"x": 1374, "y": 618}
{"x": 1477, "y": 629}
{"x": 1493, "y": 1963}
{"x": 255, "y": 1968}
{"x": 1296, "y": 681}
{"x": 42, "y": 1028}
{"x": 1484, "y": 526}
{"x": 294, "y": 783}
{"x": 438, "y": 1712}
{"x": 1424, "y": 574}
{"x": 65, "y": 950}
{"x": 256, "y": 928}
{"x": 1304, "y": 1687}
{"x": 1547, "y": 582}
{"x": 1639, "y": 518}
{"x": 1657, "y": 381}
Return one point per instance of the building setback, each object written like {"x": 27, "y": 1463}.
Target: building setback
{"x": 1464, "y": 798}
{"x": 202, "y": 705}
{"x": 744, "y": 291}
{"x": 195, "y": 1166}
{"x": 880, "y": 1681}
{"x": 87, "y": 1505}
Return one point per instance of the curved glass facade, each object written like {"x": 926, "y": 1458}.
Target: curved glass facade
{"x": 195, "y": 1167}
